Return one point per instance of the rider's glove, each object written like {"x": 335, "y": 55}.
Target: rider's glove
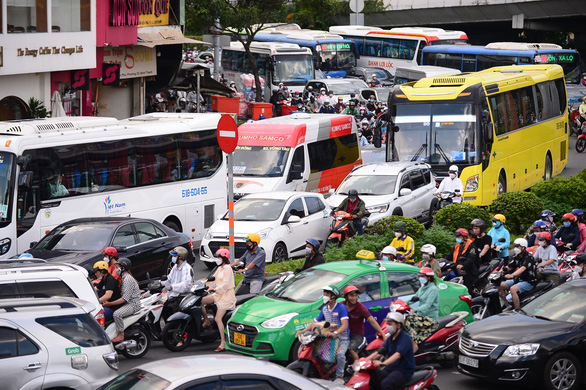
{"x": 569, "y": 245}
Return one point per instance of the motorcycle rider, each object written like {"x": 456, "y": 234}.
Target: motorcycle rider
{"x": 374, "y": 82}
{"x": 340, "y": 106}
{"x": 582, "y": 110}
{"x": 482, "y": 241}
{"x": 452, "y": 184}
{"x": 547, "y": 217}
{"x": 403, "y": 243}
{"x": 538, "y": 227}
{"x": 178, "y": 282}
{"x": 521, "y": 273}
{"x": 371, "y": 105}
{"x": 296, "y": 100}
{"x": 428, "y": 254}
{"x": 501, "y": 239}
{"x": 313, "y": 256}
{"x": 579, "y": 271}
{"x": 546, "y": 257}
{"x": 311, "y": 105}
{"x": 464, "y": 254}
{"x": 398, "y": 364}
{"x": 110, "y": 257}
{"x": 327, "y": 108}
{"x": 568, "y": 235}
{"x": 254, "y": 263}
{"x": 351, "y": 110}
{"x": 357, "y": 315}
{"x": 428, "y": 294}
{"x": 337, "y": 315}
{"x": 308, "y": 93}
{"x": 389, "y": 253}
{"x": 356, "y": 207}
{"x": 129, "y": 301}
{"x": 107, "y": 288}
{"x": 580, "y": 215}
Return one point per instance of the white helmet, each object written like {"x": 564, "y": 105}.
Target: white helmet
{"x": 394, "y": 316}
{"x": 453, "y": 168}
{"x": 520, "y": 242}
{"x": 389, "y": 250}
{"x": 373, "y": 76}
{"x": 428, "y": 248}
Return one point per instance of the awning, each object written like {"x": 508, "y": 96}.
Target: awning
{"x": 164, "y": 37}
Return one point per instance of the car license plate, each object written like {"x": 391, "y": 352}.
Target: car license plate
{"x": 240, "y": 339}
{"x": 468, "y": 361}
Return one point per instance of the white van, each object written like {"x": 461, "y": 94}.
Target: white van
{"x": 298, "y": 152}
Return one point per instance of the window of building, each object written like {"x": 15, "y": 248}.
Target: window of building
{"x": 26, "y": 16}
{"x": 78, "y": 17}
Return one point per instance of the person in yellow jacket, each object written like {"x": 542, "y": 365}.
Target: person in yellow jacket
{"x": 403, "y": 243}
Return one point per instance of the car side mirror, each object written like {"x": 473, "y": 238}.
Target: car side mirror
{"x": 25, "y": 180}
{"x": 296, "y": 172}
{"x": 293, "y": 219}
{"x": 121, "y": 249}
{"x": 405, "y": 192}
{"x": 488, "y": 131}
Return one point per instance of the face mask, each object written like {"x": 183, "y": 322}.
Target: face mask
{"x": 541, "y": 243}
{"x": 174, "y": 259}
{"x": 398, "y": 234}
{"x": 386, "y": 258}
{"x": 118, "y": 271}
{"x": 578, "y": 269}
{"x": 326, "y": 300}
{"x": 452, "y": 175}
{"x": 423, "y": 281}
{"x": 459, "y": 240}
{"x": 567, "y": 224}
{"x": 372, "y": 101}
{"x": 106, "y": 259}
{"x": 307, "y": 251}
{"x": 516, "y": 251}
{"x": 426, "y": 257}
{"x": 497, "y": 224}
{"x": 391, "y": 330}
{"x": 100, "y": 278}
{"x": 352, "y": 198}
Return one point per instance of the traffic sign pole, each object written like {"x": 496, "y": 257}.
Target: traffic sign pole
{"x": 231, "y": 206}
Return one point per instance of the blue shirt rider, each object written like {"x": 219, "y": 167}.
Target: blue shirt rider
{"x": 501, "y": 239}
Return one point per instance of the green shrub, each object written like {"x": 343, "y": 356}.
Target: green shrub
{"x": 558, "y": 208}
{"x": 371, "y": 242}
{"x": 384, "y": 227}
{"x": 440, "y": 236}
{"x": 563, "y": 190}
{"x": 520, "y": 209}
{"x": 582, "y": 175}
{"x": 459, "y": 215}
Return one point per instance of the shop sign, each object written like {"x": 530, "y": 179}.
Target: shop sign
{"x": 111, "y": 74}
{"x": 80, "y": 79}
{"x": 134, "y": 61}
{"x": 154, "y": 13}
{"x": 139, "y": 13}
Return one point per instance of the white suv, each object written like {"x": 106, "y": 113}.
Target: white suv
{"x": 392, "y": 188}
{"x": 35, "y": 278}
{"x": 53, "y": 343}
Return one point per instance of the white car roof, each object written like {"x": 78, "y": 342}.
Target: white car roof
{"x": 281, "y": 195}
{"x": 386, "y": 168}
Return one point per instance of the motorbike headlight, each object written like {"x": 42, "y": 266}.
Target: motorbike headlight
{"x": 381, "y": 208}
{"x": 279, "y": 321}
{"x": 264, "y": 233}
{"x": 521, "y": 350}
{"x": 472, "y": 184}
{"x": 208, "y": 235}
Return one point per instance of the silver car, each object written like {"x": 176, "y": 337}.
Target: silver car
{"x": 53, "y": 343}
{"x": 209, "y": 372}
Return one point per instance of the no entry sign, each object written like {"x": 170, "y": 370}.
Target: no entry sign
{"x": 227, "y": 134}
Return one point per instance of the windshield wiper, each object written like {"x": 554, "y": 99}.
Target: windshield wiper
{"x": 442, "y": 153}
{"x": 422, "y": 148}
{"x": 541, "y": 317}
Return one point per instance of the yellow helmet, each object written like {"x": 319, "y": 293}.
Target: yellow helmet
{"x": 253, "y": 237}
{"x": 584, "y": 99}
{"x": 101, "y": 265}
{"x": 499, "y": 217}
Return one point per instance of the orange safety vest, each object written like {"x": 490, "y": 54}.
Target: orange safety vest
{"x": 457, "y": 250}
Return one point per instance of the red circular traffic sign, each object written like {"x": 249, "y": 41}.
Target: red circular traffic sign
{"x": 227, "y": 134}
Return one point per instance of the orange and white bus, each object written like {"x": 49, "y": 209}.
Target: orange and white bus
{"x": 298, "y": 152}
{"x": 400, "y": 46}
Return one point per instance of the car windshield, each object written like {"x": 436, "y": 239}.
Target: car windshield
{"x": 564, "y": 303}
{"x": 345, "y": 88}
{"x": 293, "y": 69}
{"x": 381, "y": 74}
{"x": 257, "y": 209}
{"x": 369, "y": 184}
{"x": 260, "y": 160}
{"x": 439, "y": 133}
{"x": 136, "y": 379}
{"x": 306, "y": 287}
{"x": 6, "y": 187}
{"x": 76, "y": 238}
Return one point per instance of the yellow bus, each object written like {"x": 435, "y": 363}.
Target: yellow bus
{"x": 506, "y": 128}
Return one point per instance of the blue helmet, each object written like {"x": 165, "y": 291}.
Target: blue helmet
{"x": 540, "y": 223}
{"x": 578, "y": 213}
{"x": 314, "y": 243}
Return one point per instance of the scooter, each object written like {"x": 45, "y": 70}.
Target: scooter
{"x": 440, "y": 347}
{"x": 181, "y": 97}
{"x": 567, "y": 261}
{"x": 339, "y": 229}
{"x": 581, "y": 142}
{"x": 421, "y": 379}
{"x": 484, "y": 271}
{"x": 187, "y": 323}
{"x": 309, "y": 363}
{"x": 446, "y": 198}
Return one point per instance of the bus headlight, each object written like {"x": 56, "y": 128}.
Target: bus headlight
{"x": 4, "y": 246}
{"x": 472, "y": 184}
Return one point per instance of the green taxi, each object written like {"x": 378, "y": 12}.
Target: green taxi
{"x": 265, "y": 326}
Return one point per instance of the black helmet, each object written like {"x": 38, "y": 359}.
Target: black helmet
{"x": 478, "y": 223}
{"x": 352, "y": 193}
{"x": 123, "y": 262}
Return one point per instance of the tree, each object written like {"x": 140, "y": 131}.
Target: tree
{"x": 240, "y": 19}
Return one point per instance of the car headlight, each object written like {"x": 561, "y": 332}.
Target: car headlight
{"x": 472, "y": 184}
{"x": 521, "y": 350}
{"x": 264, "y": 233}
{"x": 279, "y": 321}
{"x": 381, "y": 208}
{"x": 208, "y": 235}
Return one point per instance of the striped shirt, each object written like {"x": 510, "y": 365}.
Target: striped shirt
{"x": 130, "y": 291}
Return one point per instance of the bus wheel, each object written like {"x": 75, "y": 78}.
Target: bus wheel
{"x": 502, "y": 186}
{"x": 171, "y": 224}
{"x": 280, "y": 253}
{"x": 548, "y": 168}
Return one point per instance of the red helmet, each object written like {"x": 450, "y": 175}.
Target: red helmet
{"x": 462, "y": 232}
{"x": 350, "y": 289}
{"x": 427, "y": 271}
{"x": 111, "y": 251}
{"x": 544, "y": 236}
{"x": 569, "y": 216}
{"x": 223, "y": 252}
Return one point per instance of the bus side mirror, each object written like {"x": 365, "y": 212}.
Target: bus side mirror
{"x": 25, "y": 180}
{"x": 488, "y": 131}
{"x": 296, "y": 173}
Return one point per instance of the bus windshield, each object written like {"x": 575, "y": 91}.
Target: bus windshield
{"x": 260, "y": 160}
{"x": 439, "y": 133}
{"x": 293, "y": 69}
{"x": 6, "y": 162}
{"x": 336, "y": 56}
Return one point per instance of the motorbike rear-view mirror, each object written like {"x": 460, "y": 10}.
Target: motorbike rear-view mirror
{"x": 211, "y": 278}
{"x": 502, "y": 240}
{"x": 163, "y": 278}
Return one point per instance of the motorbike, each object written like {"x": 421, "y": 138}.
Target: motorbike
{"x": 339, "y": 229}
{"x": 577, "y": 124}
{"x": 440, "y": 347}
{"x": 421, "y": 379}
{"x": 567, "y": 261}
{"x": 309, "y": 363}
{"x": 581, "y": 142}
{"x": 489, "y": 302}
{"x": 446, "y": 198}
{"x": 484, "y": 271}
{"x": 187, "y": 323}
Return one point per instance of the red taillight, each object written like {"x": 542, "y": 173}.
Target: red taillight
{"x": 101, "y": 318}
{"x": 190, "y": 243}
{"x": 467, "y": 298}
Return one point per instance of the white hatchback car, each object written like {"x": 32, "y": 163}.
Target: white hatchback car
{"x": 284, "y": 220}
{"x": 392, "y": 188}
